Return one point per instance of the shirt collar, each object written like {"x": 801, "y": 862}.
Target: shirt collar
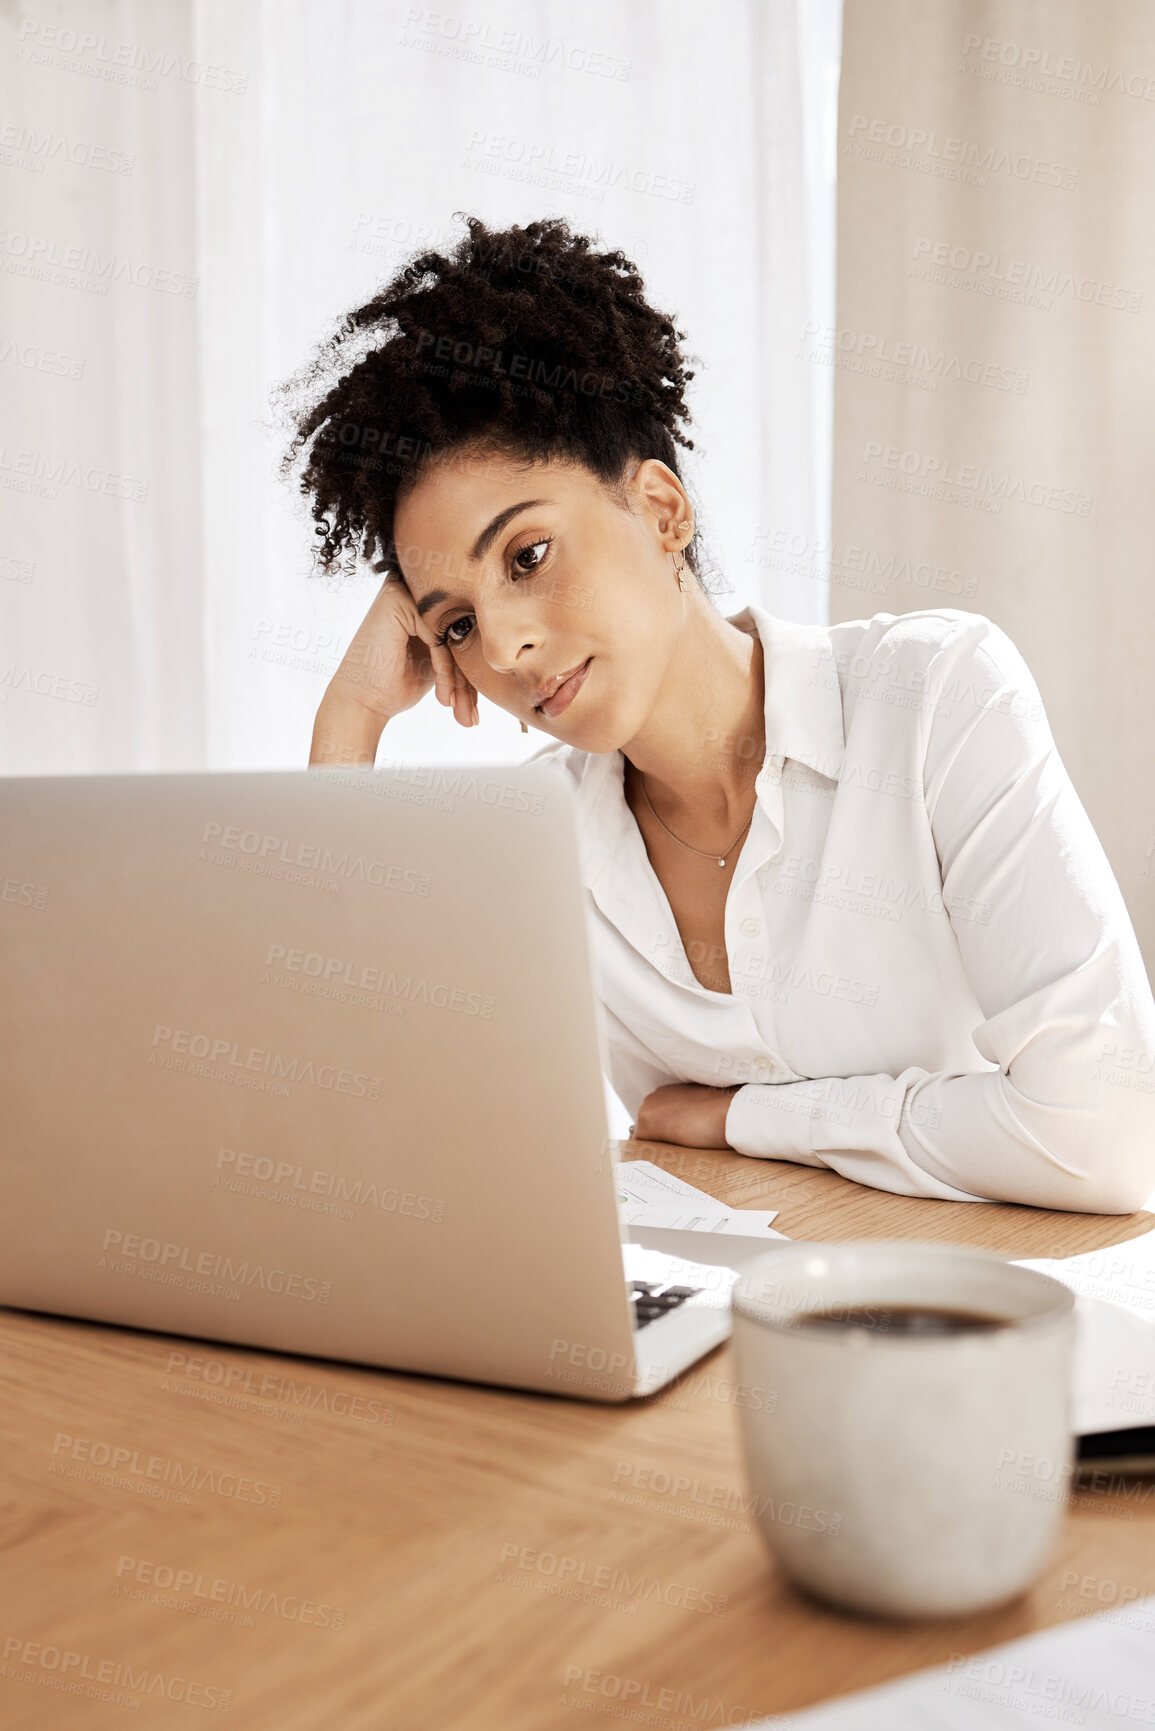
{"x": 803, "y": 696}
{"x": 803, "y": 713}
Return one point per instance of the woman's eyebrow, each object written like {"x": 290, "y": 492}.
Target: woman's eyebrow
{"x": 481, "y": 546}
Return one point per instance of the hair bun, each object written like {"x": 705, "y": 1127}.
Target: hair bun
{"x": 526, "y": 339}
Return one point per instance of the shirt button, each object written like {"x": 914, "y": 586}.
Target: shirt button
{"x": 751, "y": 928}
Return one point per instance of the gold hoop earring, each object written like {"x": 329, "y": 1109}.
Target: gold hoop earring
{"x": 679, "y": 569}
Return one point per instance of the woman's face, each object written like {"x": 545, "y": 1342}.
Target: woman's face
{"x": 527, "y": 571}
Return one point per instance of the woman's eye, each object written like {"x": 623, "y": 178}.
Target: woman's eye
{"x": 526, "y": 560}
{"x": 533, "y": 564}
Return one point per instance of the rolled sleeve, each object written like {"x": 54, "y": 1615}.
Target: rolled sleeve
{"x": 1067, "y": 1118}
{"x": 849, "y": 1123}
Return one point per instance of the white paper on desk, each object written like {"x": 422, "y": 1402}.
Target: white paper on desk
{"x": 1114, "y": 1377}
{"x": 648, "y": 1196}
{"x": 1114, "y": 1372}
{"x": 642, "y": 1181}
{"x": 1098, "y": 1673}
{"x": 743, "y": 1222}
{"x": 1122, "y": 1274}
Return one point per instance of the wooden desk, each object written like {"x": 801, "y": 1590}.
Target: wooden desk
{"x": 448, "y": 1530}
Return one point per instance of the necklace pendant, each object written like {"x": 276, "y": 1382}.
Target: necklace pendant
{"x": 721, "y": 862}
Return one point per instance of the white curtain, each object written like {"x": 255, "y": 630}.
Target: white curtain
{"x": 995, "y": 351}
{"x": 195, "y": 190}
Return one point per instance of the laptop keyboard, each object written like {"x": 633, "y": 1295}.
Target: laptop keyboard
{"x": 652, "y": 1299}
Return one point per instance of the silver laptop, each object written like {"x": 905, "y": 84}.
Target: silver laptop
{"x": 310, "y": 1060}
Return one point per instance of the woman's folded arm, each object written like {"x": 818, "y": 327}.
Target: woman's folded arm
{"x": 1067, "y": 1119}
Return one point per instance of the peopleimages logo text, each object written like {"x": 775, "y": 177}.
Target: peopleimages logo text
{"x": 313, "y": 857}
{"x": 272, "y": 1174}
{"x": 365, "y": 978}
{"x": 212, "y": 1265}
{"x": 48, "y": 42}
{"x": 229, "y": 1059}
{"x": 219, "y": 1590}
{"x": 115, "y": 1681}
{"x": 126, "y": 1464}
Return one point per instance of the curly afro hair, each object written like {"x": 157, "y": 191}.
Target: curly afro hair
{"x": 523, "y": 341}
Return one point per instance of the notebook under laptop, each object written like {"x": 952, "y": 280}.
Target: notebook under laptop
{"x": 310, "y": 1060}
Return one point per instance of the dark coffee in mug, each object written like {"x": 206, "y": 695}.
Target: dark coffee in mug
{"x": 901, "y": 1319}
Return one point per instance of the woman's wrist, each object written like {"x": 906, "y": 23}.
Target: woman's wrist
{"x": 345, "y": 732}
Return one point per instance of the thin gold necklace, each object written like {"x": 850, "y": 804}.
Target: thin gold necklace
{"x": 721, "y": 858}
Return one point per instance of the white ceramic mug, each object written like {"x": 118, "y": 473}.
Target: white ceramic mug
{"x": 900, "y": 1474}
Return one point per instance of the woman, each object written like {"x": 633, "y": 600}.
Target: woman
{"x": 847, "y": 909}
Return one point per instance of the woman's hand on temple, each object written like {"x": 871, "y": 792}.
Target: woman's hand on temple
{"x": 686, "y": 1113}
{"x": 391, "y": 663}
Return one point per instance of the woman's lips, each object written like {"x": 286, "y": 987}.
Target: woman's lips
{"x": 566, "y": 692}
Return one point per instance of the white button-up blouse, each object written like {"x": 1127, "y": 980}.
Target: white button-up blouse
{"x": 936, "y": 986}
